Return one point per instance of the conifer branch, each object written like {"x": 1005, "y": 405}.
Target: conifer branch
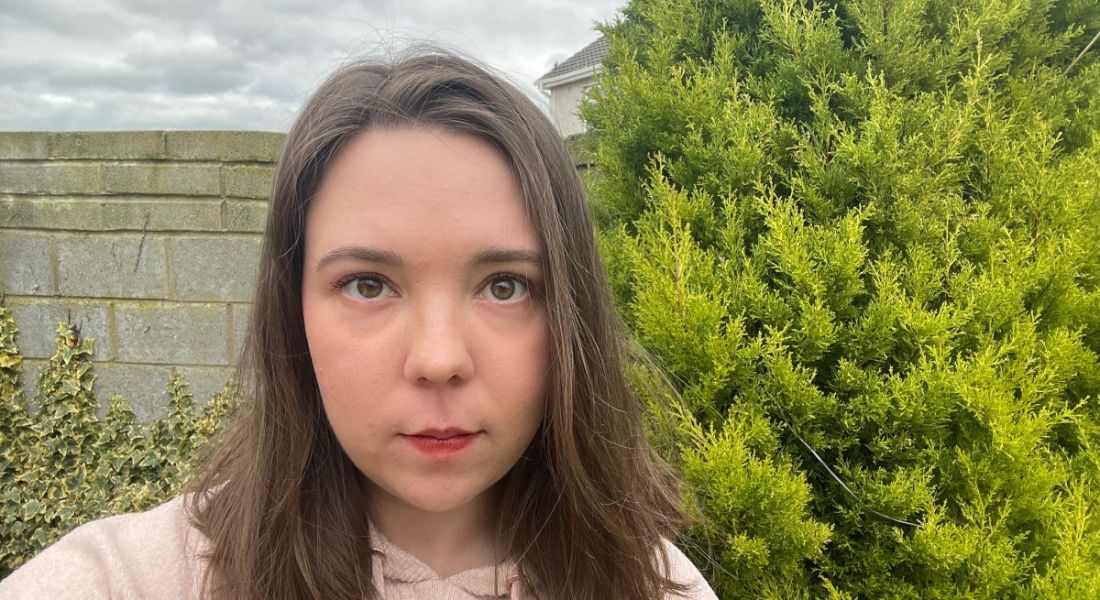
{"x": 832, "y": 473}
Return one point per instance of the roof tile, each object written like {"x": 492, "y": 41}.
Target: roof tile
{"x": 589, "y": 57}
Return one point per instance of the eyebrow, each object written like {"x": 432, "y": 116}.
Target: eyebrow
{"x": 496, "y": 256}
{"x": 385, "y": 257}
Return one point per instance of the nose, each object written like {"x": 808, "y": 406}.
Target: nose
{"x": 438, "y": 350}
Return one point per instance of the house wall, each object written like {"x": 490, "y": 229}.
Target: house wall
{"x": 147, "y": 240}
{"x": 564, "y": 103}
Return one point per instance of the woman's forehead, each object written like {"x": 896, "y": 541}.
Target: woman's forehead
{"x": 418, "y": 189}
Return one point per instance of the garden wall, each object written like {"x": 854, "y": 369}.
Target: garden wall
{"x": 147, "y": 240}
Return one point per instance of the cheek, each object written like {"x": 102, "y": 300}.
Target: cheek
{"x": 349, "y": 386}
{"x": 336, "y": 348}
{"x": 347, "y": 374}
{"x": 328, "y": 352}
{"x": 523, "y": 371}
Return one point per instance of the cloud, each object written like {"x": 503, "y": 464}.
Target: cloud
{"x": 135, "y": 64}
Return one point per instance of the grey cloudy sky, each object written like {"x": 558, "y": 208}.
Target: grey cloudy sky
{"x": 246, "y": 64}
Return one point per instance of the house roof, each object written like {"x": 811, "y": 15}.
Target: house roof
{"x": 586, "y": 61}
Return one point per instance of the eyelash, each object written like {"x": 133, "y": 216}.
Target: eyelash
{"x": 345, "y": 280}
{"x": 495, "y": 277}
{"x": 504, "y": 276}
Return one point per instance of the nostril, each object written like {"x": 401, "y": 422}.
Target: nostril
{"x": 438, "y": 359}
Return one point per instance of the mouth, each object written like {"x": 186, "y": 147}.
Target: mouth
{"x": 442, "y": 434}
{"x": 441, "y": 443}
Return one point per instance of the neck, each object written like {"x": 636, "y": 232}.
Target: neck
{"x": 449, "y": 541}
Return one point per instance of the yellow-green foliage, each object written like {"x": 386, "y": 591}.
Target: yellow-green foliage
{"x": 864, "y": 238}
{"x": 61, "y": 465}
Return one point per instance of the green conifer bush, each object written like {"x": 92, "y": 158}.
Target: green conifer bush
{"x": 863, "y": 239}
{"x": 61, "y": 465}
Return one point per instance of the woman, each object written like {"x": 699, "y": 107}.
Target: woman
{"x": 439, "y": 408}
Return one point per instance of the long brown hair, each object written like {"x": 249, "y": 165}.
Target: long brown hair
{"x": 584, "y": 509}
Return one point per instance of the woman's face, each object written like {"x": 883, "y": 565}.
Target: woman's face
{"x": 421, "y": 295}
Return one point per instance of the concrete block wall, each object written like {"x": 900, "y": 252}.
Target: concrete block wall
{"x": 147, "y": 240}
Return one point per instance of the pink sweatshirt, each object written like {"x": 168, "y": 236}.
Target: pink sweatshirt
{"x": 156, "y": 554}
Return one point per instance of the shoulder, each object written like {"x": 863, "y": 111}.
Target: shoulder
{"x": 154, "y": 554}
{"x": 681, "y": 570}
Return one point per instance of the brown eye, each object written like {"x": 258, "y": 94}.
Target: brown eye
{"x": 506, "y": 289}
{"x": 369, "y": 287}
{"x": 503, "y": 289}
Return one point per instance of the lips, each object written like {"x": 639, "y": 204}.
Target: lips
{"x": 442, "y": 434}
{"x": 441, "y": 443}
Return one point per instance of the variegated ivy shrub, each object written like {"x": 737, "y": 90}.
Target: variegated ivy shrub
{"x": 61, "y": 465}
{"x": 863, "y": 237}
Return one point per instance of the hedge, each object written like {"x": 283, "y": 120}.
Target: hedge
{"x": 863, "y": 237}
{"x": 61, "y": 465}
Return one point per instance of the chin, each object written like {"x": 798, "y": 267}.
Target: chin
{"x": 440, "y": 504}
{"x": 438, "y": 497}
